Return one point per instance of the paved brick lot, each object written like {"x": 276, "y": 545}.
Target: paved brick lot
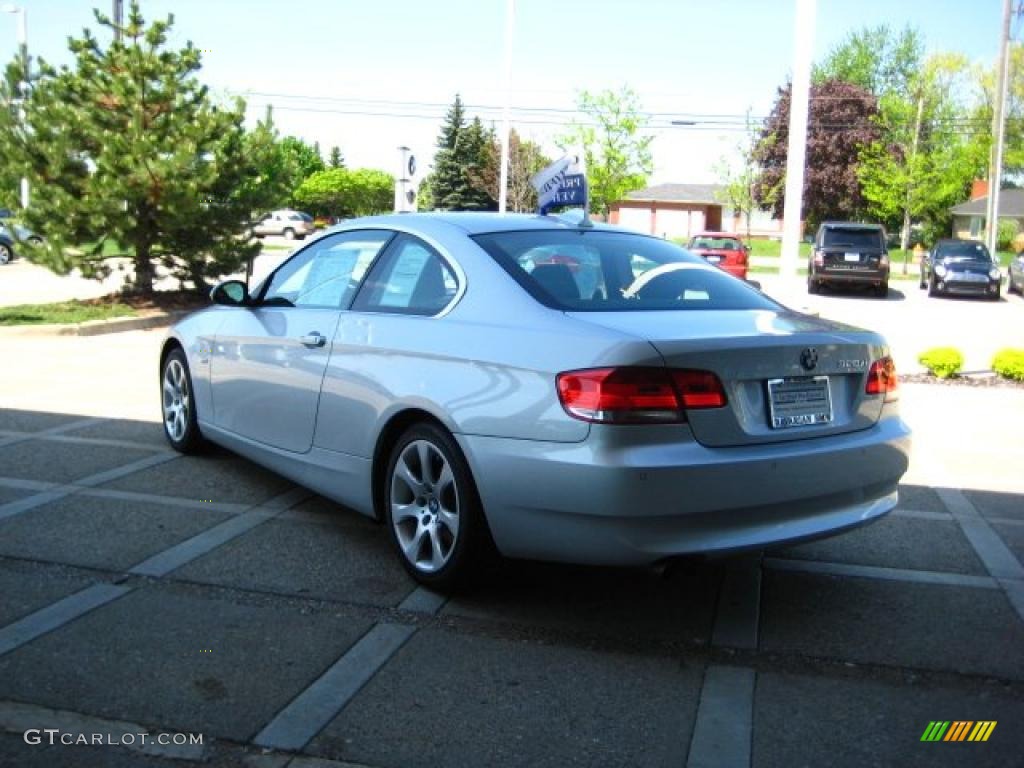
{"x": 147, "y": 592}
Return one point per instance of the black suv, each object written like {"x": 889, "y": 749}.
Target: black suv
{"x": 847, "y": 253}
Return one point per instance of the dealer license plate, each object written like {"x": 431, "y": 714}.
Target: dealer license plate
{"x": 851, "y": 256}
{"x": 799, "y": 402}
{"x": 714, "y": 259}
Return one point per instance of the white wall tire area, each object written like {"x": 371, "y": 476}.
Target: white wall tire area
{"x": 432, "y": 510}
{"x": 177, "y": 404}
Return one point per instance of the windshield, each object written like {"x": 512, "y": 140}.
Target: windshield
{"x": 859, "y": 238}
{"x": 720, "y": 243}
{"x": 601, "y": 271}
{"x": 976, "y": 251}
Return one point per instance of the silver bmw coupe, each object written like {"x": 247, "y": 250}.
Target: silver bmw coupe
{"x": 525, "y": 384}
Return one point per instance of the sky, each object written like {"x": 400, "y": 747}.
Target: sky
{"x": 373, "y": 75}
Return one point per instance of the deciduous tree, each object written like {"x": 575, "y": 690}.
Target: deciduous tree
{"x": 617, "y": 154}
{"x": 840, "y": 123}
{"x": 346, "y": 192}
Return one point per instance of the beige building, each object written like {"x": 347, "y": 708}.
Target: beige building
{"x": 969, "y": 217}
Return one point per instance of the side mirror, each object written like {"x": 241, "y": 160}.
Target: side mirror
{"x": 230, "y": 293}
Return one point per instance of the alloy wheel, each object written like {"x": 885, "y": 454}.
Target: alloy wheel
{"x": 176, "y": 400}
{"x": 5, "y": 254}
{"x": 425, "y": 503}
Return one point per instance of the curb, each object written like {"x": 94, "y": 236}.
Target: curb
{"x": 97, "y": 327}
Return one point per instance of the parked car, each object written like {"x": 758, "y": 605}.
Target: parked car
{"x": 963, "y": 267}
{"x": 724, "y": 250}
{"x": 554, "y": 391}
{"x": 1015, "y": 275}
{"x": 19, "y": 233}
{"x": 846, "y": 253}
{"x": 289, "y": 224}
{"x": 6, "y": 213}
{"x": 6, "y": 248}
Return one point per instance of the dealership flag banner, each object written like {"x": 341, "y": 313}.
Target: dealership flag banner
{"x": 564, "y": 182}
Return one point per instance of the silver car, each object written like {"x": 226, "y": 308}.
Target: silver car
{"x": 287, "y": 224}
{"x": 549, "y": 390}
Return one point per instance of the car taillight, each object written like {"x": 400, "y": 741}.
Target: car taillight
{"x": 637, "y": 395}
{"x": 819, "y": 258}
{"x": 882, "y": 379}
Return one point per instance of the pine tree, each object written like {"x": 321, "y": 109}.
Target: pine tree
{"x": 462, "y": 153}
{"x": 337, "y": 159}
{"x": 127, "y": 152}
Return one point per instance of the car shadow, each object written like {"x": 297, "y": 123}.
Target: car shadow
{"x": 895, "y": 294}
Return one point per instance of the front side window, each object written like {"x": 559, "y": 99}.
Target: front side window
{"x": 603, "y": 271}
{"x": 327, "y": 273}
{"x": 410, "y": 279}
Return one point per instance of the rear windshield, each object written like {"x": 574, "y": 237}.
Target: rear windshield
{"x": 860, "y": 238}
{"x": 723, "y": 243}
{"x": 602, "y": 271}
{"x": 976, "y": 251}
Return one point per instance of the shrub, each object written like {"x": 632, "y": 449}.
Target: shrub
{"x": 942, "y": 361}
{"x": 1009, "y": 363}
{"x": 1005, "y": 233}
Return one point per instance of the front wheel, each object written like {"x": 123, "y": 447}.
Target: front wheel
{"x": 933, "y": 289}
{"x": 6, "y": 254}
{"x": 181, "y": 427}
{"x": 432, "y": 509}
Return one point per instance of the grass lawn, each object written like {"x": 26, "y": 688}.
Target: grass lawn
{"x": 62, "y": 312}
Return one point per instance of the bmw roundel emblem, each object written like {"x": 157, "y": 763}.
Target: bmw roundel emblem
{"x": 809, "y": 359}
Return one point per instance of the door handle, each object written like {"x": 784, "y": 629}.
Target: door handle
{"x": 313, "y": 339}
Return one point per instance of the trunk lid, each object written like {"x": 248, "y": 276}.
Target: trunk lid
{"x": 747, "y": 349}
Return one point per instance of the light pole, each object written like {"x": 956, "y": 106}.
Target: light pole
{"x": 23, "y": 50}
{"x": 510, "y": 20}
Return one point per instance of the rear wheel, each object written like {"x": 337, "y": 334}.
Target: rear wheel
{"x": 933, "y": 288}
{"x": 882, "y": 290}
{"x": 289, "y": 234}
{"x": 432, "y": 509}
{"x": 6, "y": 254}
{"x": 1010, "y": 286}
{"x": 178, "y": 405}
{"x": 813, "y": 286}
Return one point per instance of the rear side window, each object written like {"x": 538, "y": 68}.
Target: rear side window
{"x": 852, "y": 237}
{"x": 411, "y": 278}
{"x": 603, "y": 271}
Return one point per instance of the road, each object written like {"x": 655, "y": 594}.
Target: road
{"x": 148, "y": 592}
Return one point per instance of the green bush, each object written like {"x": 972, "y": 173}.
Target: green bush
{"x": 1009, "y": 363}
{"x": 942, "y": 361}
{"x": 1008, "y": 229}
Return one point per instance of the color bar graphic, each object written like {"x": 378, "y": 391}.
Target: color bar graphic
{"x": 958, "y": 730}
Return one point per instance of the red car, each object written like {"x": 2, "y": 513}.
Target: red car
{"x": 722, "y": 249}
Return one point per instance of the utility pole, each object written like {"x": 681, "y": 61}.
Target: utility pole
{"x": 998, "y": 130}
{"x": 118, "y": 19}
{"x": 796, "y": 152}
{"x": 510, "y": 20}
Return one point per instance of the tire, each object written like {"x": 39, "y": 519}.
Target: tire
{"x": 997, "y": 295}
{"x": 932, "y": 288}
{"x": 882, "y": 291}
{"x": 177, "y": 405}
{"x": 1010, "y": 286}
{"x": 6, "y": 254}
{"x": 439, "y": 533}
{"x": 289, "y": 234}
{"x": 813, "y": 286}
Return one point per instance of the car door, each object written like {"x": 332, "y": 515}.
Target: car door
{"x": 269, "y": 359}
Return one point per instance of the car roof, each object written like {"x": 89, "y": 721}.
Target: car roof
{"x": 850, "y": 225}
{"x": 718, "y": 234}
{"x": 477, "y": 223}
{"x": 949, "y": 240}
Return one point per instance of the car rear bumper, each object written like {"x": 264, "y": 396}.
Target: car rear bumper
{"x": 850, "y": 277}
{"x": 642, "y": 504}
